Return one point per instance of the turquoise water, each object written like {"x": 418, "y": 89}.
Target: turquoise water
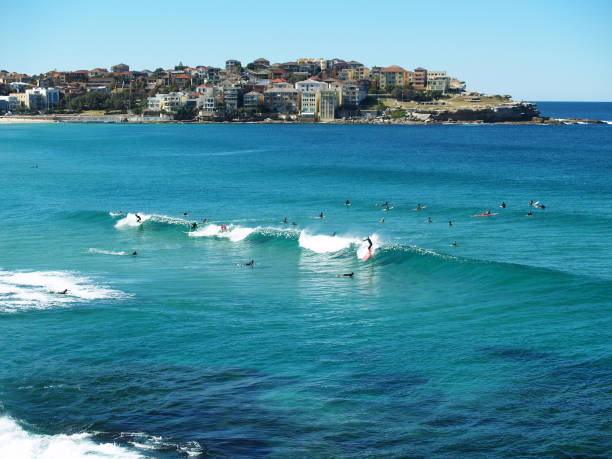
{"x": 498, "y": 346}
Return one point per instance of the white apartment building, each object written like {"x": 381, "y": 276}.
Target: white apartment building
{"x": 309, "y": 106}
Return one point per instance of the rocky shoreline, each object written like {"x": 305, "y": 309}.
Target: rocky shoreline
{"x": 506, "y": 113}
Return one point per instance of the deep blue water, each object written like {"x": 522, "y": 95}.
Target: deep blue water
{"x": 498, "y": 346}
{"x": 586, "y": 110}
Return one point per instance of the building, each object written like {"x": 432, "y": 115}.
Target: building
{"x": 207, "y": 101}
{"x": 9, "y": 103}
{"x": 253, "y": 101}
{"x": 49, "y": 97}
{"x": 98, "y": 72}
{"x": 441, "y": 84}
{"x": 120, "y": 68}
{"x": 352, "y": 95}
{"x": 328, "y": 103}
{"x": 394, "y": 76}
{"x": 436, "y": 74}
{"x": 233, "y": 66}
{"x": 170, "y": 102}
{"x": 311, "y": 85}
{"x": 281, "y": 100}
{"x": 78, "y": 75}
{"x": 231, "y": 97}
{"x": 309, "y": 104}
{"x": 261, "y": 64}
{"x": 358, "y": 73}
{"x": 419, "y": 79}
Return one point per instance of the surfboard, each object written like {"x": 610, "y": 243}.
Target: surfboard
{"x": 367, "y": 256}
{"x": 486, "y": 215}
{"x": 423, "y": 207}
{"x": 385, "y": 209}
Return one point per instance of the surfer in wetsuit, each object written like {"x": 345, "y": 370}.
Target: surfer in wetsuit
{"x": 349, "y": 274}
{"x": 369, "y": 242}
{"x": 194, "y": 225}
{"x": 63, "y": 292}
{"x": 321, "y": 215}
{"x": 347, "y": 203}
{"x": 333, "y": 234}
{"x": 205, "y": 220}
{"x": 285, "y": 221}
{"x": 428, "y": 219}
{"x": 450, "y": 223}
{"x": 531, "y": 203}
{"x": 387, "y": 207}
{"x": 138, "y": 218}
{"x": 529, "y": 214}
{"x": 454, "y": 243}
{"x": 134, "y": 253}
{"x": 418, "y": 207}
{"x": 250, "y": 263}
{"x": 503, "y": 205}
{"x": 185, "y": 213}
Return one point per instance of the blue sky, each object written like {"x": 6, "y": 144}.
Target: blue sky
{"x": 533, "y": 50}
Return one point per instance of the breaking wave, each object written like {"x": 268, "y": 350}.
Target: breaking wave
{"x": 22, "y": 290}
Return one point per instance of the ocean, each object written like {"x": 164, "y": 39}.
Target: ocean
{"x": 500, "y": 345}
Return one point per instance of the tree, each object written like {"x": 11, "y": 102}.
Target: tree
{"x": 186, "y": 114}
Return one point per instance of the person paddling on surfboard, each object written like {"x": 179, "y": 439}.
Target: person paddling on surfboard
{"x": 418, "y": 207}
{"x": 428, "y": 219}
{"x": 347, "y": 203}
{"x": 503, "y": 205}
{"x": 349, "y": 274}
{"x": 321, "y": 215}
{"x": 250, "y": 263}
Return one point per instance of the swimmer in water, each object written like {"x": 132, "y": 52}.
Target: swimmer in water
{"x": 503, "y": 205}
{"x": 387, "y": 207}
{"x": 250, "y": 263}
{"x": 285, "y": 221}
{"x": 428, "y": 219}
{"x": 418, "y": 207}
{"x": 454, "y": 243}
{"x": 333, "y": 234}
{"x": 347, "y": 203}
{"x": 529, "y": 214}
{"x": 223, "y": 228}
{"x": 134, "y": 253}
{"x": 138, "y": 218}
{"x": 294, "y": 223}
{"x": 205, "y": 220}
{"x": 531, "y": 203}
{"x": 450, "y": 223}
{"x": 382, "y": 220}
{"x": 185, "y": 213}
{"x": 321, "y": 215}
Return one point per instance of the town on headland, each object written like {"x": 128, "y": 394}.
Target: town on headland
{"x": 305, "y": 91}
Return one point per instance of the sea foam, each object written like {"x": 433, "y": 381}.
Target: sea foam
{"x": 22, "y": 290}
{"x": 15, "y": 442}
{"x": 233, "y": 233}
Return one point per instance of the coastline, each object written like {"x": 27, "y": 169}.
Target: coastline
{"x": 125, "y": 119}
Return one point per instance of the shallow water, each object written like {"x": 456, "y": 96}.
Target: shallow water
{"x": 498, "y": 346}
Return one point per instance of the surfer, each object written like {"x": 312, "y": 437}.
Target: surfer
{"x": 185, "y": 213}
{"x": 428, "y": 219}
{"x": 63, "y": 292}
{"x": 205, "y": 221}
{"x": 347, "y": 203}
{"x": 321, "y": 215}
{"x": 386, "y": 203}
{"x": 488, "y": 212}
{"x": 450, "y": 223}
{"x": 418, "y": 207}
{"x": 531, "y": 203}
{"x": 285, "y": 221}
{"x": 250, "y": 263}
{"x": 529, "y": 214}
{"x": 382, "y": 220}
{"x": 134, "y": 253}
{"x": 349, "y": 274}
{"x": 223, "y": 228}
{"x": 333, "y": 234}
{"x": 387, "y": 207}
{"x": 454, "y": 243}
{"x": 194, "y": 225}
{"x": 369, "y": 242}
{"x": 138, "y": 218}
{"x": 503, "y": 205}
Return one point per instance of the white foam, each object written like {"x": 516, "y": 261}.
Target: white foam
{"x": 37, "y": 290}
{"x": 115, "y": 214}
{"x": 131, "y": 220}
{"x": 233, "y": 233}
{"x": 15, "y": 442}
{"x": 106, "y": 252}
{"x": 325, "y": 244}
